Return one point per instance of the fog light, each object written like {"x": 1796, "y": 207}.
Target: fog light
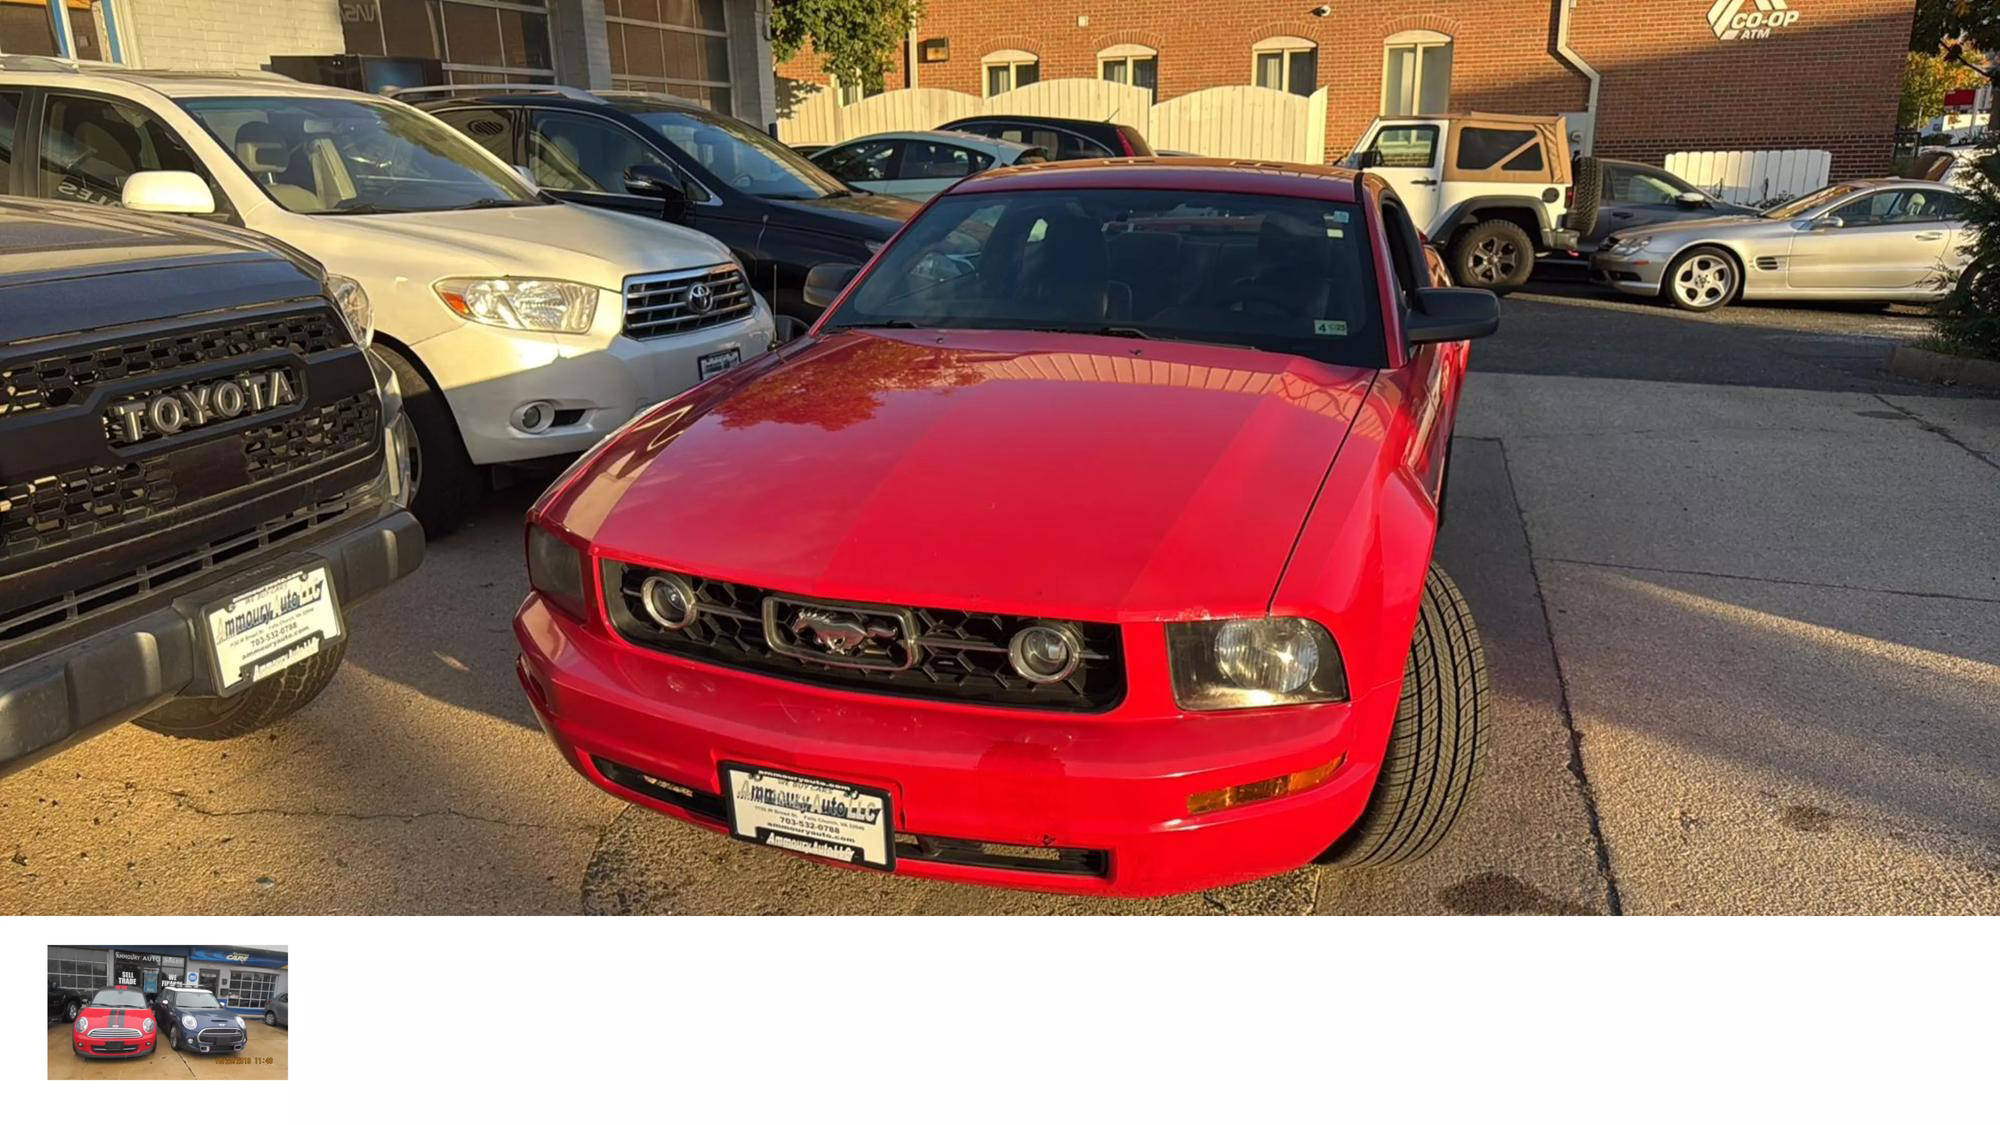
{"x": 1215, "y": 800}
{"x": 534, "y": 417}
{"x": 1045, "y": 654}
{"x": 669, "y": 601}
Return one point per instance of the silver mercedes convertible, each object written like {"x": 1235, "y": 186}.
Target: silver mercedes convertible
{"x": 1863, "y": 240}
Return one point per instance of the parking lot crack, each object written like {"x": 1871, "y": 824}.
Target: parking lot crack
{"x": 184, "y": 802}
{"x": 1694, "y": 573}
{"x": 1940, "y": 431}
{"x": 1613, "y": 904}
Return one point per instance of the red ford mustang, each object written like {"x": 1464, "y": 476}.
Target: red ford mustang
{"x": 1083, "y": 545}
{"x": 117, "y": 1022}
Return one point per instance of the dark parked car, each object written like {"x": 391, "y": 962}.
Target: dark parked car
{"x": 65, "y": 1003}
{"x": 195, "y": 1020}
{"x": 1640, "y": 194}
{"x": 648, "y": 153}
{"x": 199, "y": 473}
{"x": 1062, "y": 138}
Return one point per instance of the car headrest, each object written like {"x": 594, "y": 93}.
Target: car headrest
{"x": 262, "y": 148}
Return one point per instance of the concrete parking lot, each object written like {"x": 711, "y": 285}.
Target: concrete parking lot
{"x": 265, "y": 1058}
{"x": 1738, "y": 590}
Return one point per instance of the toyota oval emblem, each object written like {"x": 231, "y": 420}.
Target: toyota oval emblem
{"x": 700, "y": 298}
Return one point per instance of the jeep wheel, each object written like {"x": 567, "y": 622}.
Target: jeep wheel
{"x": 257, "y": 707}
{"x": 1494, "y": 255}
{"x": 1437, "y": 743}
{"x": 445, "y": 486}
{"x": 1702, "y": 280}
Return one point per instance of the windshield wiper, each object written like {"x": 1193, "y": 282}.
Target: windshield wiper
{"x": 879, "y": 324}
{"x": 364, "y": 209}
{"x": 482, "y": 204}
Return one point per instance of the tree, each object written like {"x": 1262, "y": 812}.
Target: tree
{"x": 854, "y": 40}
{"x": 1926, "y": 80}
{"x": 1968, "y": 321}
{"x": 1939, "y": 23}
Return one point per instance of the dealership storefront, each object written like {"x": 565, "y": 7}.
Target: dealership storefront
{"x": 244, "y": 978}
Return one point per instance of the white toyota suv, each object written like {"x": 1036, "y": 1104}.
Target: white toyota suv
{"x": 520, "y": 327}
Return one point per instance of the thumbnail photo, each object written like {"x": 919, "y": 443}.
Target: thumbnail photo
{"x": 169, "y": 1011}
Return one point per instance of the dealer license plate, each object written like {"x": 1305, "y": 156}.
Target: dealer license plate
{"x": 808, "y": 815}
{"x": 257, "y": 634}
{"x": 715, "y": 363}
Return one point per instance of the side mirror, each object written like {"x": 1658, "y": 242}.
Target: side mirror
{"x": 1691, "y": 199}
{"x": 658, "y": 181}
{"x": 1367, "y": 158}
{"x": 169, "y": 193}
{"x": 1444, "y": 315}
{"x": 825, "y": 281}
{"x": 1828, "y": 222}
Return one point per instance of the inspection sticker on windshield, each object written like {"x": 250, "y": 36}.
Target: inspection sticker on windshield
{"x": 258, "y": 634}
{"x": 715, "y": 363}
{"x": 1329, "y": 328}
{"x": 808, "y": 815}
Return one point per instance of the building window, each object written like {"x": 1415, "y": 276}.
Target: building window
{"x": 70, "y": 972}
{"x": 1010, "y": 70}
{"x": 1416, "y": 73}
{"x": 1285, "y": 62}
{"x": 244, "y": 988}
{"x": 1131, "y": 65}
{"x": 678, "y": 47}
{"x": 26, "y": 28}
{"x": 477, "y": 40}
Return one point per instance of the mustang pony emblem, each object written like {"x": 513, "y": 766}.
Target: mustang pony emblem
{"x": 837, "y": 633}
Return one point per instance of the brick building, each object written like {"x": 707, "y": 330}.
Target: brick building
{"x": 1668, "y": 75}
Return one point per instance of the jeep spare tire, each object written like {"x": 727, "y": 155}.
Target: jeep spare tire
{"x": 1585, "y": 195}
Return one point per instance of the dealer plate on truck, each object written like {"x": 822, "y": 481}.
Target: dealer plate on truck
{"x": 257, "y": 634}
{"x": 809, "y": 815}
{"x": 715, "y": 363}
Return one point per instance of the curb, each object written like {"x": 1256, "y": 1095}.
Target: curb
{"x": 1911, "y": 362}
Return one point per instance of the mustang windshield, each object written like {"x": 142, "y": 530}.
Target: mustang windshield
{"x": 192, "y": 1000}
{"x": 117, "y": 998}
{"x": 1260, "y": 271}
{"x": 333, "y": 156}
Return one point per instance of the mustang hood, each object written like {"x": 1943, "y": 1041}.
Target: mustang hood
{"x": 1005, "y": 471}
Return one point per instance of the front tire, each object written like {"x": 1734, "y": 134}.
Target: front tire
{"x": 211, "y": 720}
{"x": 1703, "y": 279}
{"x": 270, "y": 1019}
{"x": 445, "y": 486}
{"x": 74, "y": 1009}
{"x": 1438, "y": 741}
{"x": 174, "y": 1038}
{"x": 1495, "y": 255}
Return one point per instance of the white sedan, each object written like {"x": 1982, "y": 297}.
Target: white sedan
{"x": 919, "y": 165}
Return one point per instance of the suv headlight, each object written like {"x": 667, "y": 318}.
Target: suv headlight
{"x": 352, "y": 301}
{"x": 1253, "y": 662}
{"x": 533, "y": 303}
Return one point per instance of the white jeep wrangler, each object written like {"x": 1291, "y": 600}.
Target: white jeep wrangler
{"x": 1491, "y": 190}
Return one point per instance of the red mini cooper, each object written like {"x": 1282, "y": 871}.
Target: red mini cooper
{"x": 1083, "y": 545}
{"x": 117, "y": 1022}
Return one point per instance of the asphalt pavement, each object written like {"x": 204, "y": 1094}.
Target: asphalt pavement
{"x": 1737, "y": 589}
{"x": 267, "y": 1056}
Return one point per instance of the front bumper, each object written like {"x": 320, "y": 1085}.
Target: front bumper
{"x": 112, "y": 1048}
{"x": 1108, "y": 792}
{"x": 1640, "y": 275}
{"x": 487, "y": 374}
{"x": 134, "y": 665}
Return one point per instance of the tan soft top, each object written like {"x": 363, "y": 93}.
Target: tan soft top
{"x": 1549, "y": 134}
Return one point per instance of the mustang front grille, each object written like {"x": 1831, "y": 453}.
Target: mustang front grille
{"x": 661, "y": 304}
{"x": 925, "y": 653}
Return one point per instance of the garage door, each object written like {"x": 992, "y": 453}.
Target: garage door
{"x": 678, "y": 47}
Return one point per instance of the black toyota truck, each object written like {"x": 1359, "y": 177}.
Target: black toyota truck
{"x": 200, "y": 472}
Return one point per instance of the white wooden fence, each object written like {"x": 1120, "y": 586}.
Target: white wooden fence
{"x": 1754, "y": 177}
{"x": 1243, "y": 122}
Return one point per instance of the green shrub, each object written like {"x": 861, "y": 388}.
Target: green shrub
{"x": 1969, "y": 320}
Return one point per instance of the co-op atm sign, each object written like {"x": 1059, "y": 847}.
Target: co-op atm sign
{"x": 1750, "y": 19}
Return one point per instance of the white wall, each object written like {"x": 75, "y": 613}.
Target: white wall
{"x": 226, "y": 34}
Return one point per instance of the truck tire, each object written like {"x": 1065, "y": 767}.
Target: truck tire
{"x": 1496, "y": 255}
{"x": 210, "y": 720}
{"x": 1585, "y": 195}
{"x": 445, "y": 486}
{"x": 1437, "y": 743}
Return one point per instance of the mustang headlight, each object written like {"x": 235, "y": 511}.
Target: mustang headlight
{"x": 352, "y": 301}
{"x": 555, "y": 570}
{"x": 83, "y": 1023}
{"x": 146, "y": 1025}
{"x": 1253, "y": 662}
{"x": 187, "y": 1022}
{"x": 533, "y": 303}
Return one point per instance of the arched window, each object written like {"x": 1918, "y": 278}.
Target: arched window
{"x": 1131, "y": 64}
{"x": 1285, "y": 62}
{"x": 1416, "y": 73}
{"x": 1007, "y": 69}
